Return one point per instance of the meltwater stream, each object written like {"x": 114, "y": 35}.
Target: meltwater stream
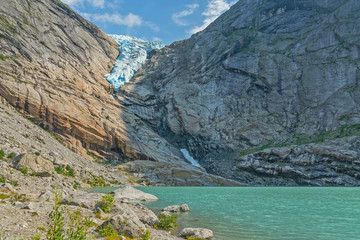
{"x": 266, "y": 213}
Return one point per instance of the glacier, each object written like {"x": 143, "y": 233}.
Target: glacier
{"x": 133, "y": 54}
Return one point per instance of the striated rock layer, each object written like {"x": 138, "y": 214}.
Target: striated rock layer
{"x": 264, "y": 75}
{"x": 52, "y": 69}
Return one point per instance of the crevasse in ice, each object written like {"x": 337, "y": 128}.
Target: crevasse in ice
{"x": 133, "y": 54}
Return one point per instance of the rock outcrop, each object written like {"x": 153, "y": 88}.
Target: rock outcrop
{"x": 265, "y": 74}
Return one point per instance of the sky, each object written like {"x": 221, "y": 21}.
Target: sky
{"x": 153, "y": 20}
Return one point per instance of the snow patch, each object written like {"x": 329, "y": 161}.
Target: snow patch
{"x": 189, "y": 158}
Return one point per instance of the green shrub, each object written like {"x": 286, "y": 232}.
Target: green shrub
{"x": 24, "y": 170}
{"x": 107, "y": 202}
{"x": 2, "y": 179}
{"x": 108, "y": 232}
{"x": 146, "y": 236}
{"x": 2, "y": 154}
{"x": 37, "y": 153}
{"x": 70, "y": 171}
{"x": 167, "y": 222}
{"x": 67, "y": 171}
{"x": 11, "y": 155}
{"x": 76, "y": 227}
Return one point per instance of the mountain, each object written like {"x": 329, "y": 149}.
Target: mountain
{"x": 133, "y": 54}
{"x": 267, "y": 94}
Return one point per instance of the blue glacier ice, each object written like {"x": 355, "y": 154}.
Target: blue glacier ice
{"x": 133, "y": 54}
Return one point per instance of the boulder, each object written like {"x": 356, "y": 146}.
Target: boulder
{"x": 84, "y": 199}
{"x": 131, "y": 193}
{"x": 126, "y": 222}
{"x": 197, "y": 233}
{"x": 145, "y": 215}
{"x": 33, "y": 164}
{"x": 176, "y": 208}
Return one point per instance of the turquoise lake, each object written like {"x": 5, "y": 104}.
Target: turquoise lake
{"x": 266, "y": 213}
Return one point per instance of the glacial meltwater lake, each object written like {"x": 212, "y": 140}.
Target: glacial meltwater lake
{"x": 266, "y": 213}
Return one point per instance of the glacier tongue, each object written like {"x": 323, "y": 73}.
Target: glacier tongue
{"x": 133, "y": 54}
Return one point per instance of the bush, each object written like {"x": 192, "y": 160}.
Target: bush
{"x": 24, "y": 170}
{"x": 107, "y": 202}
{"x": 146, "y": 236}
{"x": 167, "y": 222}
{"x": 37, "y": 153}
{"x": 108, "y": 232}
{"x": 68, "y": 171}
{"x": 76, "y": 227}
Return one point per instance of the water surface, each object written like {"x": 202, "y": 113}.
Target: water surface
{"x": 266, "y": 213}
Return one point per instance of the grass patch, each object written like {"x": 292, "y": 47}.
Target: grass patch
{"x": 67, "y": 171}
{"x": 11, "y": 155}
{"x": 97, "y": 181}
{"x": 301, "y": 139}
{"x": 2, "y": 154}
{"x": 109, "y": 233}
{"x": 167, "y": 222}
{"x": 2, "y": 179}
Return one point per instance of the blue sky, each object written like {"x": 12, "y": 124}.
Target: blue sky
{"x": 162, "y": 20}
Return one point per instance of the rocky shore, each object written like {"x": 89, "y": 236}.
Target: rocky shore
{"x": 34, "y": 164}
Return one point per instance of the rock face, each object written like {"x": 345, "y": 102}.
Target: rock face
{"x": 52, "y": 67}
{"x": 265, "y": 74}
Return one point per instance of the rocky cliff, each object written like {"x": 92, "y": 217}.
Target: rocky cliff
{"x": 53, "y": 64}
{"x": 267, "y": 94}
{"x": 52, "y": 69}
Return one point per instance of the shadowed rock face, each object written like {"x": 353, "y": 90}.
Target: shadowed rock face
{"x": 265, "y": 74}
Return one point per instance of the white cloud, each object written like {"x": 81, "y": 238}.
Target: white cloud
{"x": 176, "y": 17}
{"x": 129, "y": 20}
{"x": 95, "y": 3}
{"x": 213, "y": 10}
{"x": 156, "y": 39}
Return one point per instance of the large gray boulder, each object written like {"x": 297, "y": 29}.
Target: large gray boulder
{"x": 126, "y": 222}
{"x": 33, "y": 164}
{"x": 84, "y": 199}
{"x": 133, "y": 194}
{"x": 197, "y": 233}
{"x": 176, "y": 208}
{"x": 144, "y": 214}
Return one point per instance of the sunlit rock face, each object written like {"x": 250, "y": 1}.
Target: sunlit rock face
{"x": 133, "y": 54}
